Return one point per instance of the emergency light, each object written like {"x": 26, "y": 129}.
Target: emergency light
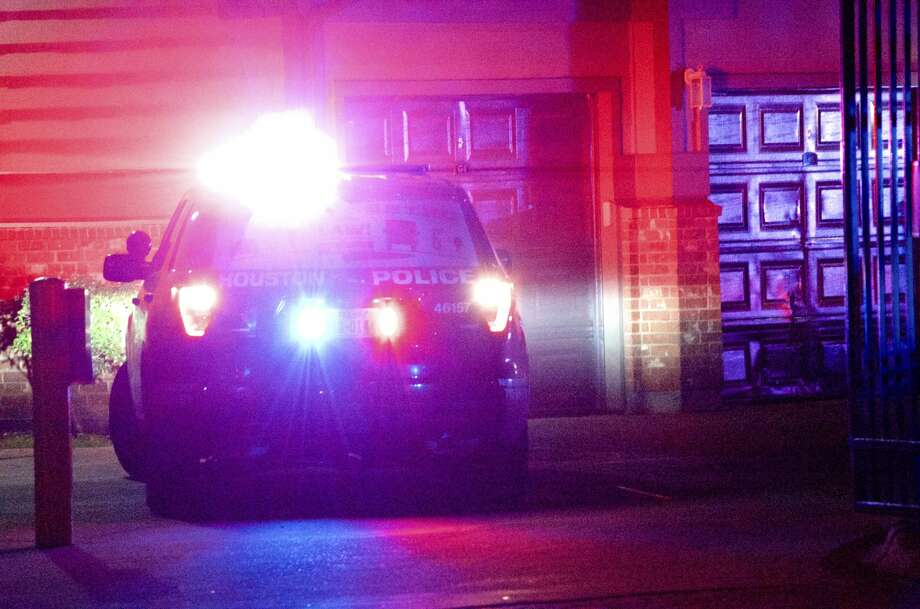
{"x": 494, "y": 297}
{"x": 313, "y": 322}
{"x": 282, "y": 168}
{"x": 196, "y": 307}
{"x": 387, "y": 320}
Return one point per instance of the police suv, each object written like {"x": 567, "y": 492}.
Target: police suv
{"x": 381, "y": 331}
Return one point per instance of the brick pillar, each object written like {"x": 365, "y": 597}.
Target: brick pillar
{"x": 700, "y": 304}
{"x": 673, "y": 335}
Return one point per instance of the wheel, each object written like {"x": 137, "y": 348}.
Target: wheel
{"x": 510, "y": 470}
{"x": 500, "y": 480}
{"x": 124, "y": 427}
{"x": 176, "y": 487}
{"x": 510, "y": 476}
{"x": 161, "y": 499}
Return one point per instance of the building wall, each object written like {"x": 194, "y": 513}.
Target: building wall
{"x": 103, "y": 109}
{"x": 106, "y": 109}
{"x": 753, "y": 44}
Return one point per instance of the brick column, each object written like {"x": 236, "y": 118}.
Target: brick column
{"x": 700, "y": 304}
{"x": 673, "y": 335}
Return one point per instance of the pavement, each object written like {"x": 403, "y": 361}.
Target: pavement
{"x": 746, "y": 508}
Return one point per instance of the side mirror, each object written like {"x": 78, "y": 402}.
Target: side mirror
{"x": 132, "y": 266}
{"x": 138, "y": 245}
{"x": 504, "y": 257}
{"x": 124, "y": 268}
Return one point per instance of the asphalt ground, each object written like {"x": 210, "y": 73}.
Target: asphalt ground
{"x": 746, "y": 508}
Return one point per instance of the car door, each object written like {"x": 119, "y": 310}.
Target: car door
{"x": 136, "y": 335}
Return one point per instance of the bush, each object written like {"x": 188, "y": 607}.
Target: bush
{"x": 110, "y": 305}
{"x": 9, "y": 310}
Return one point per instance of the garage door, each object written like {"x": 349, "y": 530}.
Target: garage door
{"x": 525, "y": 161}
{"x": 775, "y": 171}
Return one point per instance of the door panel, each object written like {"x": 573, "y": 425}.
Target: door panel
{"x": 427, "y": 130}
{"x": 368, "y": 137}
{"x": 495, "y": 133}
{"x": 775, "y": 171}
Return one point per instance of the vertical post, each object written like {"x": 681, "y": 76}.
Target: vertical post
{"x": 895, "y": 259}
{"x": 51, "y": 414}
{"x": 909, "y": 152}
{"x": 881, "y": 280}
{"x": 856, "y": 351}
{"x": 864, "y": 207}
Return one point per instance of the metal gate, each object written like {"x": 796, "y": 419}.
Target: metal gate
{"x": 775, "y": 171}
{"x": 526, "y": 163}
{"x": 881, "y": 312}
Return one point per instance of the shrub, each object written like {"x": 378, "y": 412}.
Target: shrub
{"x": 9, "y": 310}
{"x": 110, "y": 305}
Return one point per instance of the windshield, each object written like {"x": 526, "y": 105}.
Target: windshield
{"x": 352, "y": 235}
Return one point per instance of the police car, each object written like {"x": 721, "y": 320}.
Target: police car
{"x": 378, "y": 331}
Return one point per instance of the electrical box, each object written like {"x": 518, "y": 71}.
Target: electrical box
{"x": 79, "y": 351}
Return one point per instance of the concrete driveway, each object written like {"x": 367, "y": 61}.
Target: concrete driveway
{"x": 736, "y": 509}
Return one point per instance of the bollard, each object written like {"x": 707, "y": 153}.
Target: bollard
{"x": 51, "y": 414}
{"x": 60, "y": 355}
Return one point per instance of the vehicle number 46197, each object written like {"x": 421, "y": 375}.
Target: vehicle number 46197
{"x": 452, "y": 307}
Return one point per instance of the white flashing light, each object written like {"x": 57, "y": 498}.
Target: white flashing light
{"x": 282, "y": 168}
{"x": 314, "y": 322}
{"x": 494, "y": 296}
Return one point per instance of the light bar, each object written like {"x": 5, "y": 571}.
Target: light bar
{"x": 282, "y": 168}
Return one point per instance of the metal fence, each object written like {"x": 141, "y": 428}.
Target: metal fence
{"x": 878, "y": 162}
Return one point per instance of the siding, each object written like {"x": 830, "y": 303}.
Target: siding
{"x": 104, "y": 108}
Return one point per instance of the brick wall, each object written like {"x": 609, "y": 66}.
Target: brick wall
{"x": 66, "y": 250}
{"x": 673, "y": 335}
{"x": 700, "y": 304}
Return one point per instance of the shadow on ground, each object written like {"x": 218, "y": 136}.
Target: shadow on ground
{"x": 600, "y": 485}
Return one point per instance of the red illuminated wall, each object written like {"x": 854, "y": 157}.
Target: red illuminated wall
{"x": 756, "y": 44}
{"x": 106, "y": 108}
{"x": 104, "y": 111}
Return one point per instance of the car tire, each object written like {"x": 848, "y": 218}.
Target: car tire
{"x": 512, "y": 476}
{"x": 503, "y": 479}
{"x": 174, "y": 499}
{"x": 175, "y": 485}
{"x": 124, "y": 428}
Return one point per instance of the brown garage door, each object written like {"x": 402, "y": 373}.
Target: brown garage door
{"x": 526, "y": 163}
